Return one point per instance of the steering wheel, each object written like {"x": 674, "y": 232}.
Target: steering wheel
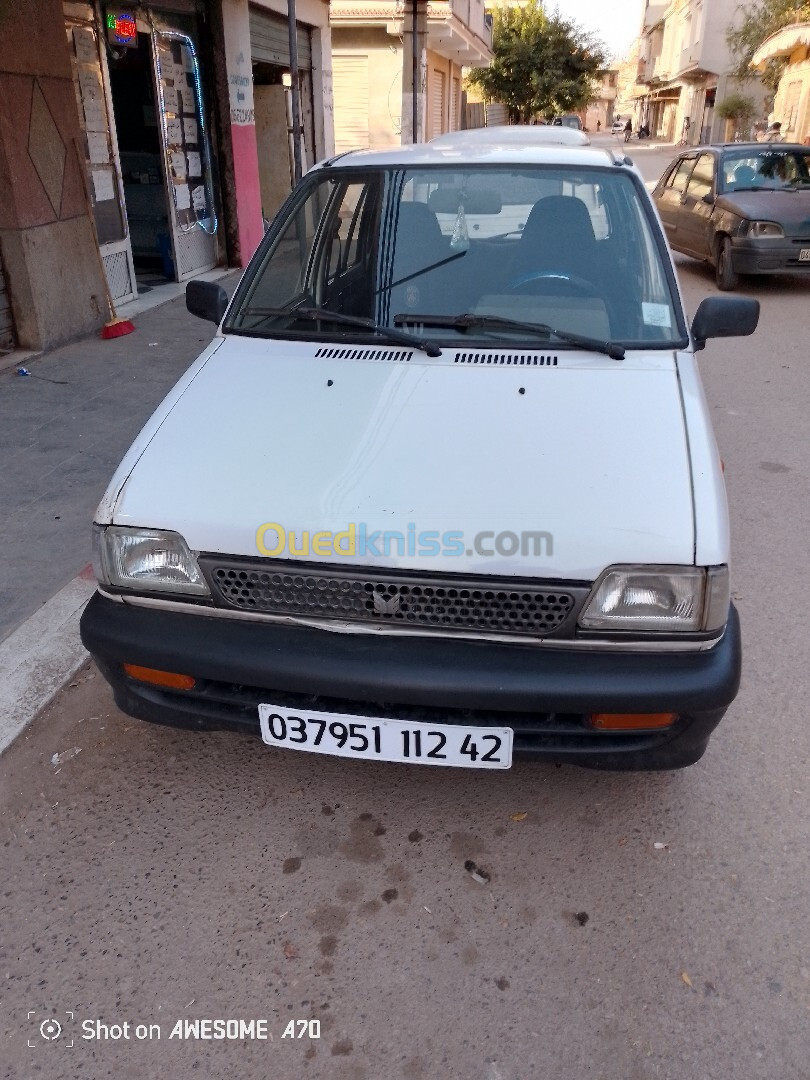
{"x": 580, "y": 284}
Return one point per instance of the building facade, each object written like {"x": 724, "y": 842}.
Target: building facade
{"x": 791, "y": 105}
{"x": 601, "y": 108}
{"x": 684, "y": 69}
{"x": 144, "y": 143}
{"x": 374, "y": 60}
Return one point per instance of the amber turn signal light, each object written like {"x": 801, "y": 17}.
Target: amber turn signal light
{"x": 160, "y": 678}
{"x": 606, "y": 721}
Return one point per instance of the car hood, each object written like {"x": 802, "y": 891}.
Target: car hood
{"x": 592, "y": 452}
{"x": 790, "y": 208}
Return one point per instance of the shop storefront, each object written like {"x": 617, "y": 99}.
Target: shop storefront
{"x": 143, "y": 100}
{"x": 270, "y": 62}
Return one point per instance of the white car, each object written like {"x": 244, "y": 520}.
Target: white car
{"x": 439, "y": 497}
{"x": 618, "y": 126}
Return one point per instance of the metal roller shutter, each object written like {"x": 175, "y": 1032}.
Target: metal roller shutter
{"x": 455, "y": 99}
{"x": 437, "y": 100}
{"x": 350, "y": 88}
{"x": 270, "y": 41}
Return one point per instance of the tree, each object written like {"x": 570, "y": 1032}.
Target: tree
{"x": 541, "y": 63}
{"x": 759, "y": 21}
{"x": 736, "y": 107}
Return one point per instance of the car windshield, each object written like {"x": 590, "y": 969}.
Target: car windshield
{"x": 542, "y": 248}
{"x": 766, "y": 170}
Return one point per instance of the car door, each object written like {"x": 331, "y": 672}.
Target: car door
{"x": 697, "y": 207}
{"x": 670, "y": 195}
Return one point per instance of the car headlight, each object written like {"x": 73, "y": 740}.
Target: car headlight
{"x": 149, "y": 560}
{"x": 659, "y": 598}
{"x": 765, "y": 228}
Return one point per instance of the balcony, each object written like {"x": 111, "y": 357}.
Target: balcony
{"x": 653, "y": 15}
{"x": 688, "y": 61}
{"x": 660, "y": 70}
{"x": 460, "y": 30}
{"x": 457, "y": 29}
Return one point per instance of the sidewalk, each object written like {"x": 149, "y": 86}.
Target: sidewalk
{"x": 63, "y": 430}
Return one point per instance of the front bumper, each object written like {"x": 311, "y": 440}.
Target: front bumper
{"x": 544, "y": 694}
{"x": 768, "y": 256}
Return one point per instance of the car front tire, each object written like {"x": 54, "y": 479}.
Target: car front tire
{"x": 727, "y": 278}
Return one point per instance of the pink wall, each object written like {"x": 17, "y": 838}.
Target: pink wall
{"x": 248, "y": 192}
{"x": 236, "y": 34}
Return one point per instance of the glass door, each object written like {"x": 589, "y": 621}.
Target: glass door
{"x": 99, "y": 147}
{"x": 186, "y": 146}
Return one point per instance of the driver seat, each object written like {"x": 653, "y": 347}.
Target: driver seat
{"x": 421, "y": 244}
{"x": 558, "y": 237}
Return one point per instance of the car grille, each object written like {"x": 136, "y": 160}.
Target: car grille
{"x": 438, "y": 602}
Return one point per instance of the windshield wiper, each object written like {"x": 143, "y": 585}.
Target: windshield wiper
{"x": 422, "y": 270}
{"x": 317, "y": 314}
{"x": 495, "y": 322}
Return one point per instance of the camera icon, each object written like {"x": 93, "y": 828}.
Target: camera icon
{"x": 50, "y": 1029}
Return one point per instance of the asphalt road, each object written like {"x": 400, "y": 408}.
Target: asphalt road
{"x": 634, "y": 927}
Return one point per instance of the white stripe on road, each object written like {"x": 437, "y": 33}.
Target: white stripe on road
{"x": 41, "y": 656}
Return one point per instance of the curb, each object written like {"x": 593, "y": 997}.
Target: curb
{"x": 41, "y": 656}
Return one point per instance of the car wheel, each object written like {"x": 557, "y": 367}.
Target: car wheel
{"x": 727, "y": 278}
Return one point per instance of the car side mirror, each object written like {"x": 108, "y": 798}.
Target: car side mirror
{"x": 724, "y": 316}
{"x": 207, "y": 300}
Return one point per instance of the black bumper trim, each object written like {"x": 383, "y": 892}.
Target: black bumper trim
{"x": 415, "y": 670}
{"x": 543, "y": 695}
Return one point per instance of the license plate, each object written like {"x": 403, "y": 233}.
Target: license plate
{"x": 367, "y": 737}
{"x": 804, "y": 254}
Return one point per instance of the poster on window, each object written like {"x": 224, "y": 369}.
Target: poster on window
{"x": 187, "y": 150}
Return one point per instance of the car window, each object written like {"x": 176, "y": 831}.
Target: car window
{"x": 766, "y": 169}
{"x": 680, "y": 174}
{"x": 575, "y": 248}
{"x": 701, "y": 182}
{"x": 322, "y": 252}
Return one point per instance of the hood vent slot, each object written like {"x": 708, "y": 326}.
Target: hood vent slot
{"x": 507, "y": 359}
{"x": 363, "y": 354}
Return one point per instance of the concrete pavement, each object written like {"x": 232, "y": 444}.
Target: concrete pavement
{"x": 63, "y": 430}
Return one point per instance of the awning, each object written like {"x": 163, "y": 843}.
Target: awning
{"x": 666, "y": 93}
{"x": 782, "y": 43}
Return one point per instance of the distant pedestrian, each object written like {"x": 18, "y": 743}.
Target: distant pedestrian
{"x": 628, "y": 129}
{"x": 598, "y": 126}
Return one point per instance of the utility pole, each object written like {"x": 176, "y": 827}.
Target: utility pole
{"x": 295, "y": 90}
{"x": 414, "y": 35}
{"x": 414, "y": 68}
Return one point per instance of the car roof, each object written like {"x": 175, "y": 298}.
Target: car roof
{"x": 469, "y": 152}
{"x": 515, "y": 135}
{"x": 736, "y": 147}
